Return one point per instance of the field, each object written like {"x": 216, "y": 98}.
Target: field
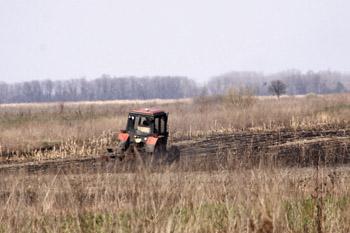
{"x": 247, "y": 164}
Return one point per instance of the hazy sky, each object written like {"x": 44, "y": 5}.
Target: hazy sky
{"x": 60, "y": 39}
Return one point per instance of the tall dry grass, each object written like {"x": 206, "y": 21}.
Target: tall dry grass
{"x": 258, "y": 200}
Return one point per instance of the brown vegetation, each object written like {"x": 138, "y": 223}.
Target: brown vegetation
{"x": 212, "y": 194}
{"x": 263, "y": 200}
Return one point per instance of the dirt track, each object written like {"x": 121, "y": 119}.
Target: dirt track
{"x": 224, "y": 151}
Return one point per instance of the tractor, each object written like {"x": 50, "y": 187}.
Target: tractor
{"x": 146, "y": 137}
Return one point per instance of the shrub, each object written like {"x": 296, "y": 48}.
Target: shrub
{"x": 242, "y": 97}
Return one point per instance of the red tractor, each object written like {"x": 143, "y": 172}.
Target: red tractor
{"x": 146, "y": 135}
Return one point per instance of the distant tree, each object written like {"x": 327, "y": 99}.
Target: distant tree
{"x": 340, "y": 88}
{"x": 203, "y": 91}
{"x": 277, "y": 87}
{"x": 3, "y": 92}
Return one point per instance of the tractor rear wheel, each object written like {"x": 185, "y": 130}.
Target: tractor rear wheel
{"x": 173, "y": 155}
{"x": 159, "y": 153}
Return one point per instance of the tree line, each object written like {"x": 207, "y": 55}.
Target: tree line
{"x": 171, "y": 87}
{"x": 103, "y": 88}
{"x": 296, "y": 82}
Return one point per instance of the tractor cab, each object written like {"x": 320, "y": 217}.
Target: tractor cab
{"x": 146, "y": 122}
{"x": 146, "y": 130}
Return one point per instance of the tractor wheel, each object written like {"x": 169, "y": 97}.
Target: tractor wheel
{"x": 158, "y": 153}
{"x": 124, "y": 154}
{"x": 173, "y": 155}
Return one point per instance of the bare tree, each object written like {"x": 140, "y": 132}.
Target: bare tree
{"x": 277, "y": 87}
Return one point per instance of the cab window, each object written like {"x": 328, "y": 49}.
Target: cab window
{"x": 140, "y": 123}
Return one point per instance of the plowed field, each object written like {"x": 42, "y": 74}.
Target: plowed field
{"x": 222, "y": 151}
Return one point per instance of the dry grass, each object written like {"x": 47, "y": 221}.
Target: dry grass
{"x": 261, "y": 200}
